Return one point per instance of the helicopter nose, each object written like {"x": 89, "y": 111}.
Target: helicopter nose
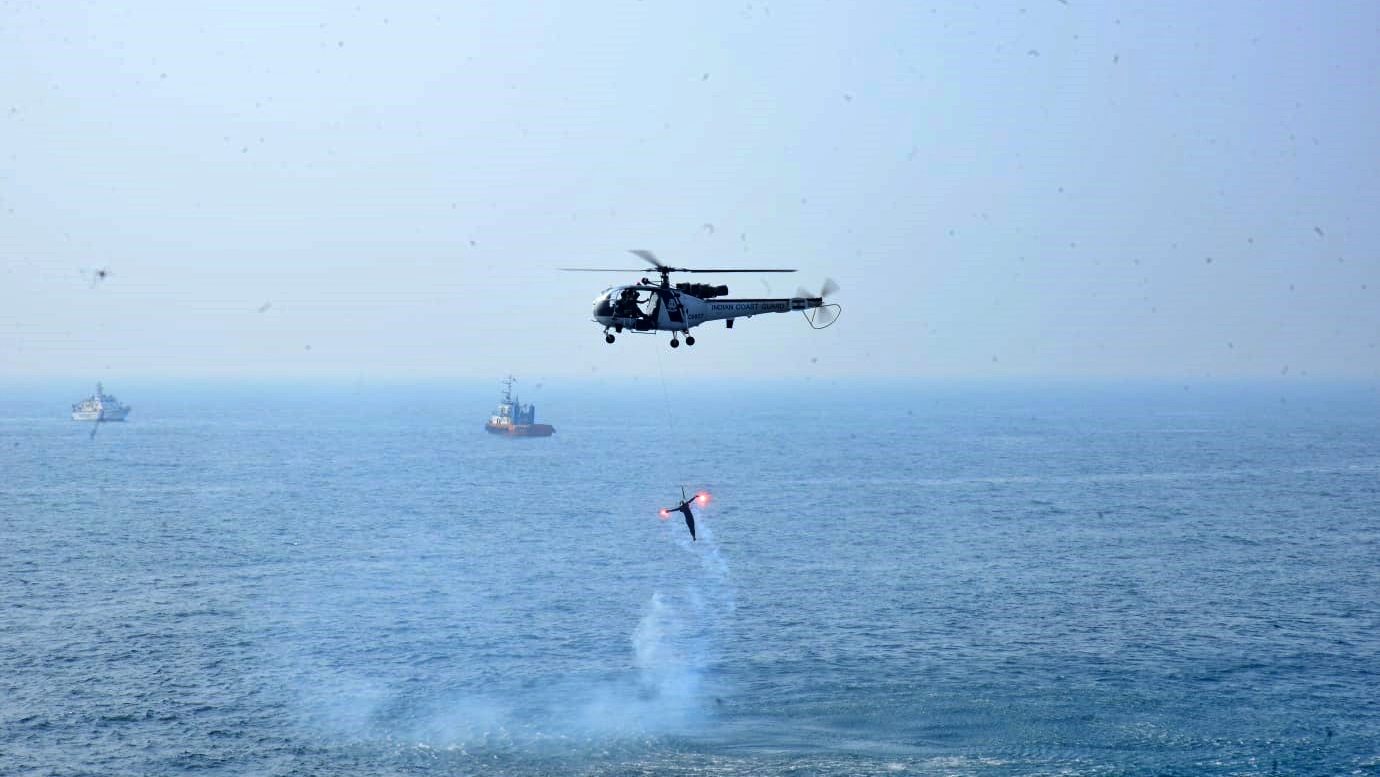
{"x": 603, "y": 307}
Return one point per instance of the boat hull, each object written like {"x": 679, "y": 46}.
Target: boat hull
{"x": 521, "y": 430}
{"x": 97, "y": 415}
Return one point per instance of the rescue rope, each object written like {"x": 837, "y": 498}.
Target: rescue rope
{"x": 670, "y": 417}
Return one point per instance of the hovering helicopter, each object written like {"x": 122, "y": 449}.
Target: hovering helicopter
{"x": 647, "y": 307}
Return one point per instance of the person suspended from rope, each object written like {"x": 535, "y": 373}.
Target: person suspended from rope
{"x": 684, "y": 508}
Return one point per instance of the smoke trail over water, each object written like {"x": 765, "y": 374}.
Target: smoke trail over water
{"x": 661, "y": 680}
{"x": 676, "y": 644}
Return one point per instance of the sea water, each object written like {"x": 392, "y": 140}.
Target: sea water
{"x": 896, "y": 578}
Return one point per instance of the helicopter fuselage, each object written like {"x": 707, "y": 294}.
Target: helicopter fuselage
{"x": 647, "y": 308}
{"x": 650, "y": 307}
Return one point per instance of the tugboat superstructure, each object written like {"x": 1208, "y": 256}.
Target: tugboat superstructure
{"x": 513, "y": 418}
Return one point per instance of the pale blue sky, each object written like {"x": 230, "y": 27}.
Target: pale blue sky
{"x": 385, "y": 189}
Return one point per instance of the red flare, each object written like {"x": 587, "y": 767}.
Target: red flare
{"x": 702, "y": 498}
{"x": 663, "y": 513}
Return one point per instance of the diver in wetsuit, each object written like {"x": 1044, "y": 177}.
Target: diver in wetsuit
{"x": 684, "y": 507}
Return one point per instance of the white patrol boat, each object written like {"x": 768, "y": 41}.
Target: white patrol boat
{"x": 99, "y": 407}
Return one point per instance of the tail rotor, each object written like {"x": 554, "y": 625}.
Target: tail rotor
{"x": 821, "y": 314}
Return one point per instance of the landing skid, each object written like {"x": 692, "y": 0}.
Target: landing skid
{"x": 675, "y": 340}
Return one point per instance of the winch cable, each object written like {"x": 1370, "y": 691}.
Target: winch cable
{"x": 670, "y": 416}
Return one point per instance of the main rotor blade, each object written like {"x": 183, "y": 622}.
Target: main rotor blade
{"x": 686, "y": 269}
{"x": 664, "y": 268}
{"x": 648, "y": 257}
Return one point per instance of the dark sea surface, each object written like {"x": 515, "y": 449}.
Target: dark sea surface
{"x": 934, "y": 579}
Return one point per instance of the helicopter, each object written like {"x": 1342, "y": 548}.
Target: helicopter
{"x": 646, "y": 307}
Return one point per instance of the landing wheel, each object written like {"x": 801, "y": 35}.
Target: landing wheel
{"x": 675, "y": 343}
{"x": 608, "y": 338}
{"x": 689, "y": 340}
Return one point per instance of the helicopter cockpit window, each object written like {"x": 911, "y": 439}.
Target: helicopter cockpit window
{"x": 603, "y": 304}
{"x": 626, "y": 303}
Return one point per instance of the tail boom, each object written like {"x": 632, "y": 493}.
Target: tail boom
{"x": 719, "y": 309}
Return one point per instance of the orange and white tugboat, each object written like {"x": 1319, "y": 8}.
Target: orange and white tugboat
{"x": 513, "y": 418}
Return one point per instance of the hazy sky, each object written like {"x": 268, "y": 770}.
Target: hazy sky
{"x": 1043, "y": 188}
